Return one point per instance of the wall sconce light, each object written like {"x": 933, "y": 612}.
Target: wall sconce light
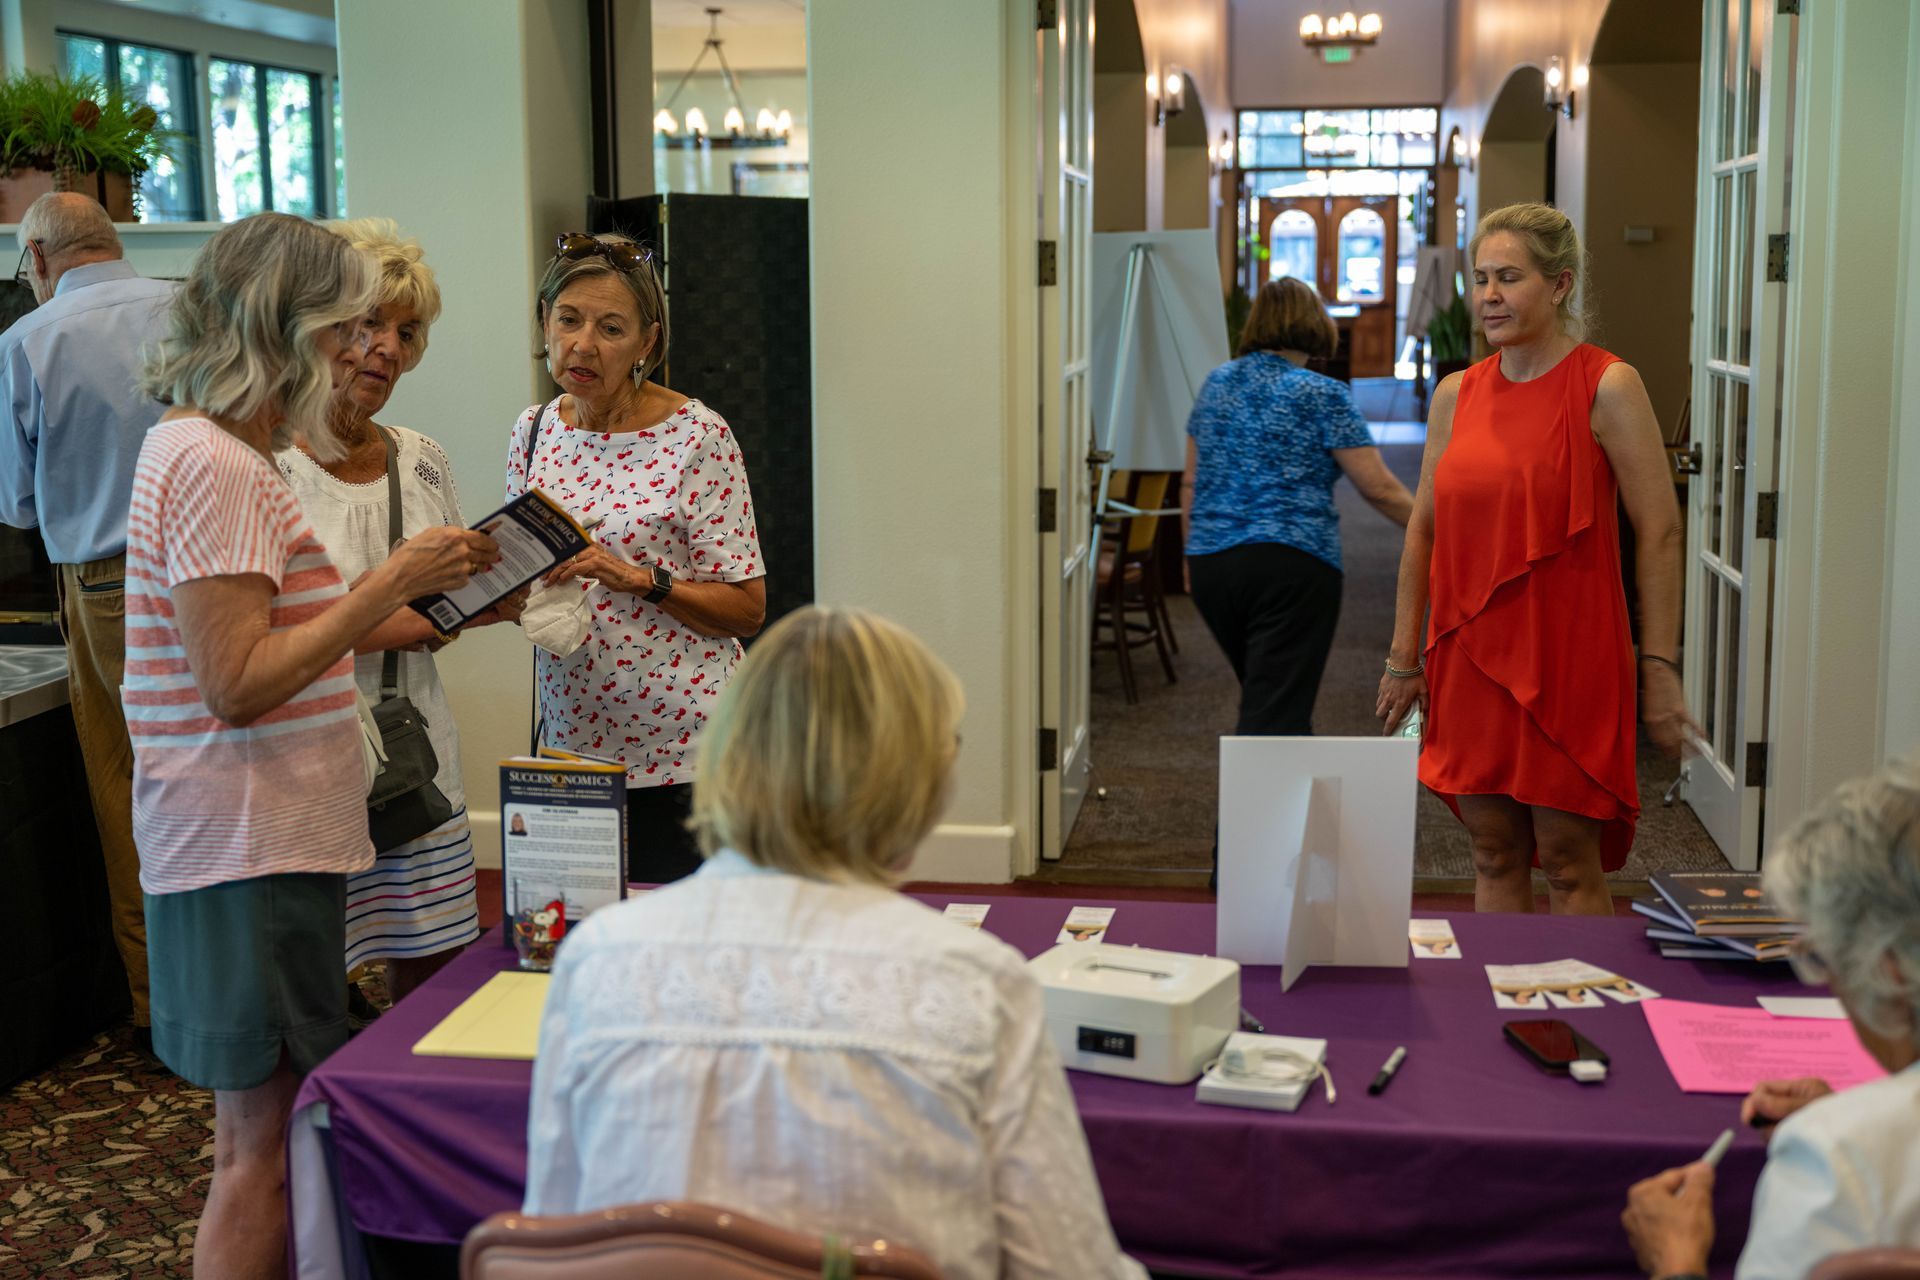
{"x": 1221, "y": 153}
{"x": 1458, "y": 153}
{"x": 1559, "y": 93}
{"x": 1169, "y": 96}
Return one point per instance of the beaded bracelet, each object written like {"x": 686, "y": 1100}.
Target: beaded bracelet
{"x": 1399, "y": 674}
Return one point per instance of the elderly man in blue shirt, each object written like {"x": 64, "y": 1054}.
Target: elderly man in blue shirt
{"x": 72, "y": 430}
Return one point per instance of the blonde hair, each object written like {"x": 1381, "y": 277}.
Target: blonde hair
{"x": 1287, "y": 315}
{"x": 643, "y": 282}
{"x": 1552, "y": 245}
{"x": 405, "y": 278}
{"x": 829, "y": 753}
{"x": 242, "y": 334}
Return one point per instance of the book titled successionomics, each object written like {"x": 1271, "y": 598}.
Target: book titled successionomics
{"x": 535, "y": 533}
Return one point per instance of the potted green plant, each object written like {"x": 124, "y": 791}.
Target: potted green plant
{"x": 72, "y": 133}
{"x": 1451, "y": 334}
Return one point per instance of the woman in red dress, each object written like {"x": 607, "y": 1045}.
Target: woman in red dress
{"x": 1528, "y": 677}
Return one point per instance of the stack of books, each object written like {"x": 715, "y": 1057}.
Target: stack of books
{"x": 1716, "y": 915}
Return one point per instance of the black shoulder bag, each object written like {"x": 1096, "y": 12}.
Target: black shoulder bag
{"x": 403, "y": 804}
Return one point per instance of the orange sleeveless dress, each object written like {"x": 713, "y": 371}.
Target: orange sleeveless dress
{"x": 1530, "y": 668}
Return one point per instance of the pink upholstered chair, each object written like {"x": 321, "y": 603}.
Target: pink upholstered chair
{"x": 670, "y": 1240}
{"x": 1870, "y": 1264}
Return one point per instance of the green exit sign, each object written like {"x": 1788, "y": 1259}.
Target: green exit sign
{"x": 1336, "y": 55}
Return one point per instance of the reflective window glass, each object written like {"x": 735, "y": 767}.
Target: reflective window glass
{"x": 1295, "y": 244}
{"x": 1360, "y": 272}
{"x": 239, "y": 176}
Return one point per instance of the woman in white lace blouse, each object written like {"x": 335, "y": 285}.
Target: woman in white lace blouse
{"x": 783, "y": 1034}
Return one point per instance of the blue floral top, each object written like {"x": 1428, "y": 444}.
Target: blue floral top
{"x": 1263, "y": 428}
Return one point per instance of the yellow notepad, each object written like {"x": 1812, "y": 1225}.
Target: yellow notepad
{"x": 500, "y": 1020}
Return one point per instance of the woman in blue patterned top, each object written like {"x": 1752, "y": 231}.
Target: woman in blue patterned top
{"x": 1266, "y": 442}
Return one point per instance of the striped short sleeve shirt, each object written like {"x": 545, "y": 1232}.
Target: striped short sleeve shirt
{"x": 213, "y": 802}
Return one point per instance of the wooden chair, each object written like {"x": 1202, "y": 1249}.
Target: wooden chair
{"x": 671, "y": 1240}
{"x": 1130, "y": 604}
{"x": 1870, "y": 1264}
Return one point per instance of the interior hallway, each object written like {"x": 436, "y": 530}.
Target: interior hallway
{"x": 1159, "y": 762}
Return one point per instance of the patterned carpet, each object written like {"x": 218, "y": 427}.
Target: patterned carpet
{"x": 104, "y": 1164}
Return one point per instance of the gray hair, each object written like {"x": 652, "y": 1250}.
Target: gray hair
{"x": 242, "y": 334}
{"x": 643, "y": 282}
{"x": 405, "y": 278}
{"x": 1851, "y": 870}
{"x": 68, "y": 222}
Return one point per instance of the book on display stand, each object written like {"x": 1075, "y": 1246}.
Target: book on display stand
{"x": 563, "y": 835}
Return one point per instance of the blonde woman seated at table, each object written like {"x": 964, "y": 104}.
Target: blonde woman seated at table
{"x": 1843, "y": 1169}
{"x": 783, "y": 1034}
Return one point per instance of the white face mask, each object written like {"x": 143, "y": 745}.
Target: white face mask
{"x": 558, "y": 618}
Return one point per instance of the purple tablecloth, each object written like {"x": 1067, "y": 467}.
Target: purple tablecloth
{"x": 1473, "y": 1164}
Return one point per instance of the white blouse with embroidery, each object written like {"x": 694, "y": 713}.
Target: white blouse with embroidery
{"x": 826, "y": 1057}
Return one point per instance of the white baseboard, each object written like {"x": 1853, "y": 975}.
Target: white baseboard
{"x": 486, "y": 837}
{"x": 965, "y": 855}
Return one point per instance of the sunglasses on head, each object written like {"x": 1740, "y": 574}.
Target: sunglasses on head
{"x": 574, "y": 245}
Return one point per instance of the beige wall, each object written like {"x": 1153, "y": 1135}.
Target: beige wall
{"x": 1120, "y": 126}
{"x": 1272, "y": 68}
{"x": 1641, "y": 173}
{"x": 1902, "y": 718}
{"x": 1493, "y": 37}
{"x": 1191, "y": 35}
{"x": 487, "y": 220}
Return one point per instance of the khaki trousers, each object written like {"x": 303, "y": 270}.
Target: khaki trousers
{"x": 93, "y": 618}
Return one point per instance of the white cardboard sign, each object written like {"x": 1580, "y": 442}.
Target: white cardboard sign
{"x": 1316, "y": 851}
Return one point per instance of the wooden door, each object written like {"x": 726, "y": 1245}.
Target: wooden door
{"x": 1347, "y": 248}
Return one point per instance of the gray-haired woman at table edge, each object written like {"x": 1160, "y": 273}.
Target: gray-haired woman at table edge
{"x": 1843, "y": 1169}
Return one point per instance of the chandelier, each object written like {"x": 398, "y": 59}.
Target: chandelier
{"x": 769, "y": 129}
{"x": 1337, "y": 37}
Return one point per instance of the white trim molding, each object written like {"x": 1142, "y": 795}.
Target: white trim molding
{"x": 1841, "y": 370}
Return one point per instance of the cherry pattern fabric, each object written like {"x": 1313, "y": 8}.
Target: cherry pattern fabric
{"x": 640, "y": 689}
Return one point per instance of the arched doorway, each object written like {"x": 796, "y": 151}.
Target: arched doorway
{"x": 1516, "y": 147}
{"x": 1120, "y": 118}
{"x": 1641, "y": 106}
{"x": 1346, "y": 247}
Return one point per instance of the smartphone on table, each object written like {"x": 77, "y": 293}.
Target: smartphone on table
{"x": 1551, "y": 1044}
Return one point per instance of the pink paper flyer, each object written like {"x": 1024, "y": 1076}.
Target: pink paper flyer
{"x": 1714, "y": 1048}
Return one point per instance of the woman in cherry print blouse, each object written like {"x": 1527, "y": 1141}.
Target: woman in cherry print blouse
{"x": 675, "y": 575}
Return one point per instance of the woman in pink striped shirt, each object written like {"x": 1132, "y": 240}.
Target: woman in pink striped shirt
{"x": 249, "y": 793}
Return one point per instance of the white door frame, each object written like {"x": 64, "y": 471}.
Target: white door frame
{"x": 1068, "y": 550}
{"x": 1737, "y": 318}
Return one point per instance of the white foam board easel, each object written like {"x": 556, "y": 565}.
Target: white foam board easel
{"x": 1316, "y": 851}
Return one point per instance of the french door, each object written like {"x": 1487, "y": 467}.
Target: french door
{"x": 1732, "y": 497}
{"x": 1067, "y": 541}
{"x": 1349, "y": 244}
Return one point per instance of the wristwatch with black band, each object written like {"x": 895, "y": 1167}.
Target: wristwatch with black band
{"x": 662, "y": 585}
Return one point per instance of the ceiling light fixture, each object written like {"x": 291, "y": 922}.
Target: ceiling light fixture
{"x": 1337, "y": 37}
{"x": 769, "y": 129}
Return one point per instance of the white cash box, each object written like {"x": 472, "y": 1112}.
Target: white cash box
{"x": 1128, "y": 1011}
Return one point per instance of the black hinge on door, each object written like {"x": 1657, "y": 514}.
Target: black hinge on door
{"x": 1756, "y": 764}
{"x": 1766, "y": 514}
{"x": 1777, "y": 259}
{"x": 1048, "y": 750}
{"x": 1787, "y": 8}
{"x": 1046, "y": 14}
{"x": 1049, "y": 512}
{"x": 1049, "y": 262}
